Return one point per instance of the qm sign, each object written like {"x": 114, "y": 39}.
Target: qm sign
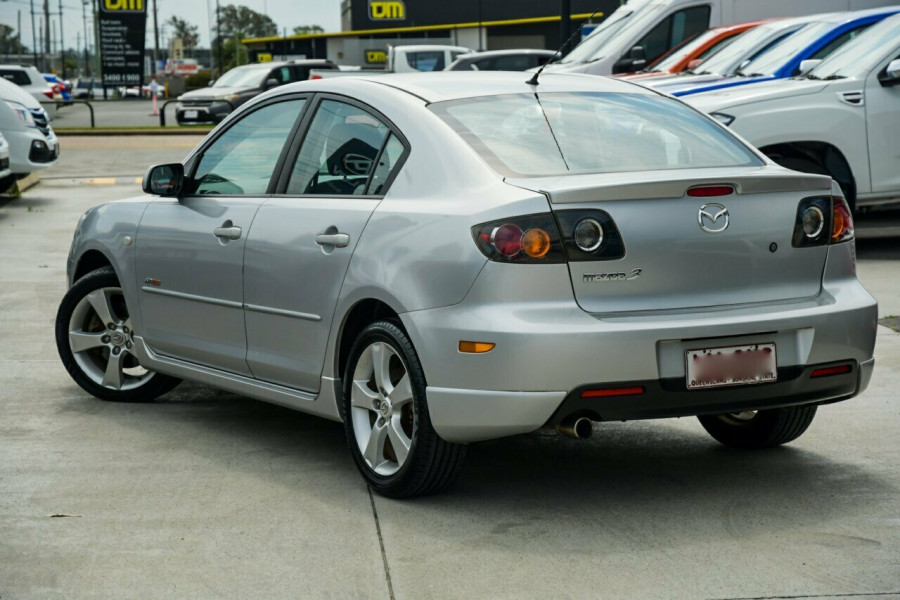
{"x": 387, "y": 10}
{"x": 122, "y": 24}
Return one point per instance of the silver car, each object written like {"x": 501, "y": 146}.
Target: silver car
{"x": 439, "y": 259}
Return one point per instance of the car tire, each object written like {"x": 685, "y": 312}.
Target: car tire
{"x": 385, "y": 409}
{"x": 759, "y": 429}
{"x": 97, "y": 356}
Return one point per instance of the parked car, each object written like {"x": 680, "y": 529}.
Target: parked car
{"x": 500, "y": 60}
{"x": 60, "y": 86}
{"x": 6, "y": 178}
{"x": 692, "y": 53}
{"x": 800, "y": 51}
{"x": 731, "y": 58}
{"x": 83, "y": 88}
{"x": 640, "y": 31}
{"x": 409, "y": 59}
{"x": 239, "y": 85}
{"x": 25, "y": 125}
{"x": 855, "y": 91}
{"x": 31, "y": 80}
{"x": 311, "y": 252}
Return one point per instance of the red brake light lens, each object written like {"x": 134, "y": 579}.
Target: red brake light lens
{"x": 49, "y": 94}
{"x": 709, "y": 191}
{"x": 842, "y": 222}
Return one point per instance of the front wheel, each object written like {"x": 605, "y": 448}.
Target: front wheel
{"x": 759, "y": 428}
{"x": 95, "y": 338}
{"x": 386, "y": 418}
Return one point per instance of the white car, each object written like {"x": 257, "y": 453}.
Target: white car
{"x": 31, "y": 80}
{"x": 5, "y": 172}
{"x": 25, "y": 125}
{"x": 841, "y": 119}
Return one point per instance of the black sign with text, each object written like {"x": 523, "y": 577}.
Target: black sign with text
{"x": 122, "y": 24}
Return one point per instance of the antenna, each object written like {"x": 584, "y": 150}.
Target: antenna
{"x": 534, "y": 80}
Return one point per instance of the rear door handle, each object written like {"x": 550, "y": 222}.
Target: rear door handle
{"x": 228, "y": 233}
{"x": 338, "y": 240}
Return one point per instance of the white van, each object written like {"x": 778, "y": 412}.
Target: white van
{"x": 640, "y": 31}
{"x": 409, "y": 59}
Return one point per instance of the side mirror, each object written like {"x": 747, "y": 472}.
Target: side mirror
{"x": 635, "y": 60}
{"x": 694, "y": 64}
{"x": 271, "y": 83}
{"x": 164, "y": 180}
{"x": 211, "y": 82}
{"x": 891, "y": 75}
{"x": 808, "y": 65}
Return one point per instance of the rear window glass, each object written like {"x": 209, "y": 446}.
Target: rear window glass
{"x": 522, "y": 135}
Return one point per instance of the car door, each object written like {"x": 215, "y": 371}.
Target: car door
{"x": 302, "y": 239}
{"x": 190, "y": 250}
{"x": 883, "y": 122}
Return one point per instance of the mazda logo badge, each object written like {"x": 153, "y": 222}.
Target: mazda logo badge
{"x": 713, "y": 218}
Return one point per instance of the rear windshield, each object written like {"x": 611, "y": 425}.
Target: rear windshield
{"x": 530, "y": 135}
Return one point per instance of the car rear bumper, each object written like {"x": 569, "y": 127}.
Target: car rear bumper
{"x": 548, "y": 350}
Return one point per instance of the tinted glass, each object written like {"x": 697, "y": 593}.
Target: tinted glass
{"x": 241, "y": 160}
{"x": 426, "y": 61}
{"x": 837, "y": 42}
{"x": 858, "y": 54}
{"x": 778, "y": 55}
{"x": 748, "y": 45}
{"x": 338, "y": 152}
{"x": 16, "y": 76}
{"x": 562, "y": 133}
{"x": 673, "y": 30}
{"x": 241, "y": 77}
{"x": 387, "y": 163}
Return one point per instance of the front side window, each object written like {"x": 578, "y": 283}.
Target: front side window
{"x": 241, "y": 161}
{"x": 674, "y": 30}
{"x": 339, "y": 152}
{"x": 523, "y": 135}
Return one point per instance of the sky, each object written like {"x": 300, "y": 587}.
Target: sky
{"x": 285, "y": 13}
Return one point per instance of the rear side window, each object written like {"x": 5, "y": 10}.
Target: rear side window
{"x": 16, "y": 76}
{"x": 673, "y": 30}
{"x": 426, "y": 61}
{"x": 524, "y": 135}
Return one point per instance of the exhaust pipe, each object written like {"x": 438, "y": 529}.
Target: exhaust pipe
{"x": 579, "y": 428}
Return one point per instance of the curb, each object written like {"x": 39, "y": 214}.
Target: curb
{"x": 87, "y": 131}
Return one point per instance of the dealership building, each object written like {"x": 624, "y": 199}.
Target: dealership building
{"x": 369, "y": 27}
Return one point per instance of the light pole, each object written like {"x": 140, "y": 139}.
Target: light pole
{"x": 87, "y": 63}
{"x": 62, "y": 42}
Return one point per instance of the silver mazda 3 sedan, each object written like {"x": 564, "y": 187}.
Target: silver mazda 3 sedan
{"x": 439, "y": 259}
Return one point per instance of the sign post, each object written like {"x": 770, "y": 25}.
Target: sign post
{"x": 122, "y": 25}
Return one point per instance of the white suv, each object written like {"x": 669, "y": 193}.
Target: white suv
{"x": 24, "y": 123}
{"x": 841, "y": 119}
{"x": 31, "y": 80}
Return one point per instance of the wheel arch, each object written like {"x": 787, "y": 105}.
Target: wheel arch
{"x": 362, "y": 313}
{"x": 91, "y": 260}
{"x": 827, "y": 155}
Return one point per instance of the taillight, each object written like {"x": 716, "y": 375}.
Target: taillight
{"x": 589, "y": 235}
{"x": 532, "y": 239}
{"x": 709, "y": 191}
{"x": 314, "y": 77}
{"x": 842, "y": 221}
{"x": 49, "y": 93}
{"x": 822, "y": 221}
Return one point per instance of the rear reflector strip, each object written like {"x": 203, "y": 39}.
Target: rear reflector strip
{"x": 708, "y": 191}
{"x": 629, "y": 391}
{"x": 828, "y": 371}
{"x": 475, "y": 347}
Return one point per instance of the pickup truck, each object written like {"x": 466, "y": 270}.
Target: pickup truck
{"x": 403, "y": 59}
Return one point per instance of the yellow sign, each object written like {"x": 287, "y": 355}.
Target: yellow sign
{"x": 263, "y": 57}
{"x": 387, "y": 10}
{"x": 124, "y": 5}
{"x": 376, "y": 57}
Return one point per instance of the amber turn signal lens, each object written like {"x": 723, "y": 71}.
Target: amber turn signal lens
{"x": 536, "y": 243}
{"x": 475, "y": 347}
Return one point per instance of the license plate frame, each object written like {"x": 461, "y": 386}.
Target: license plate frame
{"x": 742, "y": 364}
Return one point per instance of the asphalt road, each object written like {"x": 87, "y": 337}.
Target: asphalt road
{"x": 206, "y": 494}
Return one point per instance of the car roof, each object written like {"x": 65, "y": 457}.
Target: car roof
{"x": 488, "y": 53}
{"x": 440, "y": 86}
{"x": 850, "y": 17}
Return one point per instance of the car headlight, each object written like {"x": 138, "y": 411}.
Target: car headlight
{"x": 722, "y": 118}
{"x": 22, "y": 112}
{"x": 229, "y": 97}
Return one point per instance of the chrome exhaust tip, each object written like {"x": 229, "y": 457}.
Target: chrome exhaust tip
{"x": 579, "y": 428}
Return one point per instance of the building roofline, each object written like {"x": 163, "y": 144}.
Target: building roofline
{"x": 414, "y": 29}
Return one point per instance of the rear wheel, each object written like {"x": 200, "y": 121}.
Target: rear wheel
{"x": 759, "y": 428}
{"x": 386, "y": 417}
{"x": 95, "y": 338}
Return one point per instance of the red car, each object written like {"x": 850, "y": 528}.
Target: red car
{"x": 690, "y": 53}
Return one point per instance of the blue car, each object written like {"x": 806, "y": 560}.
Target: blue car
{"x": 65, "y": 90}
{"x": 814, "y": 41}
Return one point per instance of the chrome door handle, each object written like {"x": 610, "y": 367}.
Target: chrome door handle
{"x": 338, "y": 240}
{"x": 228, "y": 233}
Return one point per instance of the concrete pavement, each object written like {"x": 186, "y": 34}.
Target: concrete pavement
{"x": 210, "y": 495}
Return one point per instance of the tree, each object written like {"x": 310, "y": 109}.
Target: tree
{"x": 242, "y": 22}
{"x": 9, "y": 41}
{"x": 304, "y": 29}
{"x": 188, "y": 33}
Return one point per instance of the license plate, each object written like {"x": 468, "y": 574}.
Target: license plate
{"x": 732, "y": 365}
{"x": 190, "y": 114}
